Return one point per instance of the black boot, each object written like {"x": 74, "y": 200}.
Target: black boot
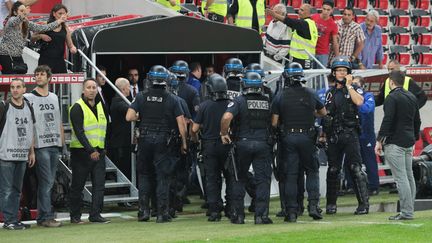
{"x": 144, "y": 210}
{"x": 291, "y": 217}
{"x": 360, "y": 189}
{"x": 214, "y": 217}
{"x": 237, "y": 216}
{"x": 331, "y": 209}
{"x": 313, "y": 210}
{"x": 163, "y": 215}
{"x": 263, "y": 219}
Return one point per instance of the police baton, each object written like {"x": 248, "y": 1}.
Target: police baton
{"x": 232, "y": 158}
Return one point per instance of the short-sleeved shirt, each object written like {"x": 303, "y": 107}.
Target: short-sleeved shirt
{"x": 238, "y": 107}
{"x": 326, "y": 29}
{"x": 348, "y": 36}
{"x": 209, "y": 115}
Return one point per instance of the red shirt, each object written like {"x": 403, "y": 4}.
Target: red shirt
{"x": 326, "y": 29}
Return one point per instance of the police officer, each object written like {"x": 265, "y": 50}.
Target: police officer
{"x": 233, "y": 72}
{"x": 341, "y": 129}
{"x": 255, "y": 67}
{"x": 215, "y": 153}
{"x": 298, "y": 139}
{"x": 159, "y": 111}
{"x": 251, "y": 115}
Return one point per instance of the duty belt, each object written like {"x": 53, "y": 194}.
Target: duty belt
{"x": 299, "y": 130}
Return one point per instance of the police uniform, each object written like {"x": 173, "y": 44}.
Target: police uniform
{"x": 234, "y": 86}
{"x": 158, "y": 110}
{"x": 298, "y": 144}
{"x": 252, "y": 123}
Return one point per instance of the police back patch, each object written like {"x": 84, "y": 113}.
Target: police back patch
{"x": 258, "y": 104}
{"x": 154, "y": 99}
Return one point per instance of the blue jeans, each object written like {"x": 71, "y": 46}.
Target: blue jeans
{"x": 11, "y": 180}
{"x": 323, "y": 59}
{"x": 46, "y": 168}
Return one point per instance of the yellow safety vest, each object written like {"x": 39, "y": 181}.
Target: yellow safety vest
{"x": 218, "y": 7}
{"x": 94, "y": 129}
{"x": 387, "y": 85}
{"x": 245, "y": 13}
{"x": 167, "y": 4}
{"x": 299, "y": 43}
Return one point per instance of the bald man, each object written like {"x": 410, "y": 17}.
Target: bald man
{"x": 304, "y": 37}
{"x": 120, "y": 139}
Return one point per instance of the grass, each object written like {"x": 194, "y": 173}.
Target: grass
{"x": 192, "y": 226}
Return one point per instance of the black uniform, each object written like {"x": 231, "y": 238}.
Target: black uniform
{"x": 215, "y": 153}
{"x": 252, "y": 125}
{"x": 158, "y": 110}
{"x": 298, "y": 143}
{"x": 342, "y": 129}
{"x": 233, "y": 87}
{"x": 190, "y": 95}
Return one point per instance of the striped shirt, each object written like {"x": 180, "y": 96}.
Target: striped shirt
{"x": 277, "y": 39}
{"x": 348, "y": 36}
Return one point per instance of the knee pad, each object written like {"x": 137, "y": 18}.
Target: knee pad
{"x": 357, "y": 171}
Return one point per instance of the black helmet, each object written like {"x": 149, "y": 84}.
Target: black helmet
{"x": 172, "y": 80}
{"x": 158, "y": 75}
{"x": 233, "y": 67}
{"x": 252, "y": 83}
{"x": 254, "y": 67}
{"x": 217, "y": 87}
{"x": 341, "y": 61}
{"x": 180, "y": 68}
{"x": 293, "y": 71}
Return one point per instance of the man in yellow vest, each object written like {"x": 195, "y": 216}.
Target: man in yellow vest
{"x": 409, "y": 84}
{"x": 247, "y": 14}
{"x": 215, "y": 10}
{"x": 172, "y": 4}
{"x": 89, "y": 125}
{"x": 304, "y": 37}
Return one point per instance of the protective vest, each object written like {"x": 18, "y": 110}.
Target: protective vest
{"x": 47, "y": 132}
{"x": 258, "y": 112}
{"x": 299, "y": 43}
{"x": 245, "y": 13}
{"x": 297, "y": 108}
{"x": 153, "y": 114}
{"x": 94, "y": 127}
{"x": 233, "y": 87}
{"x": 17, "y": 136}
{"x": 167, "y": 4}
{"x": 344, "y": 115}
{"x": 387, "y": 85}
{"x": 218, "y": 7}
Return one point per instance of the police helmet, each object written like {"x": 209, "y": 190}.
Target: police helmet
{"x": 341, "y": 62}
{"x": 158, "y": 75}
{"x": 293, "y": 71}
{"x": 252, "y": 83}
{"x": 180, "y": 68}
{"x": 217, "y": 87}
{"x": 233, "y": 67}
{"x": 172, "y": 80}
{"x": 254, "y": 67}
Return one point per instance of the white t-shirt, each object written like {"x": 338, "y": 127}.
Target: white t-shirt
{"x": 4, "y": 11}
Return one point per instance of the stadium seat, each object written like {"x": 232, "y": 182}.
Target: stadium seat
{"x": 362, "y": 4}
{"x": 399, "y": 17}
{"x": 399, "y": 35}
{"x": 420, "y": 17}
{"x": 337, "y": 14}
{"x": 401, "y": 54}
{"x": 385, "y": 59}
{"x": 401, "y": 4}
{"x": 360, "y": 15}
{"x": 421, "y": 35}
{"x": 421, "y": 4}
{"x": 421, "y": 54}
{"x": 385, "y": 38}
{"x": 380, "y": 4}
{"x": 383, "y": 21}
{"x": 291, "y": 12}
{"x": 341, "y": 4}
{"x": 317, "y": 3}
{"x": 295, "y": 3}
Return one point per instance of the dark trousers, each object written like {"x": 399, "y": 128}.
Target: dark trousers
{"x": 257, "y": 153}
{"x": 367, "y": 149}
{"x": 121, "y": 156}
{"x": 153, "y": 158}
{"x": 215, "y": 156}
{"x": 300, "y": 155}
{"x": 6, "y": 63}
{"x": 82, "y": 166}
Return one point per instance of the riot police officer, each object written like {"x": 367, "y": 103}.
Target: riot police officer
{"x": 215, "y": 153}
{"x": 159, "y": 111}
{"x": 298, "y": 139}
{"x": 341, "y": 129}
{"x": 251, "y": 115}
{"x": 233, "y": 72}
{"x": 255, "y": 67}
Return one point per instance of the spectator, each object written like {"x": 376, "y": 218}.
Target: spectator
{"x": 304, "y": 37}
{"x": 14, "y": 39}
{"x": 6, "y": 6}
{"x": 16, "y": 148}
{"x": 106, "y": 93}
{"x": 135, "y": 87}
{"x": 172, "y": 4}
{"x": 214, "y": 9}
{"x": 195, "y": 75}
{"x": 409, "y": 84}
{"x": 373, "y": 50}
{"x": 278, "y": 36}
{"x": 120, "y": 139}
{"x": 367, "y": 138}
{"x": 53, "y": 42}
{"x": 247, "y": 14}
{"x": 351, "y": 37}
{"x": 327, "y": 32}
{"x": 209, "y": 70}
{"x": 399, "y": 130}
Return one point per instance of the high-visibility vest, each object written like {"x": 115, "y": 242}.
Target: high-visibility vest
{"x": 218, "y": 7}
{"x": 94, "y": 129}
{"x": 245, "y": 13}
{"x": 167, "y": 4}
{"x": 387, "y": 85}
{"x": 298, "y": 43}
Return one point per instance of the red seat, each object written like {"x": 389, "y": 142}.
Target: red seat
{"x": 383, "y": 21}
{"x": 385, "y": 38}
{"x": 317, "y": 3}
{"x": 402, "y": 4}
{"x": 293, "y": 16}
{"x": 423, "y": 21}
{"x": 341, "y": 4}
{"x": 381, "y": 4}
{"x": 399, "y": 36}
{"x": 421, "y": 54}
{"x": 337, "y": 17}
{"x": 399, "y": 17}
{"x": 295, "y": 3}
{"x": 421, "y": 35}
{"x": 400, "y": 53}
{"x": 360, "y": 18}
{"x": 422, "y": 4}
{"x": 425, "y": 39}
{"x": 362, "y": 4}
{"x": 385, "y": 59}
{"x": 404, "y": 58}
